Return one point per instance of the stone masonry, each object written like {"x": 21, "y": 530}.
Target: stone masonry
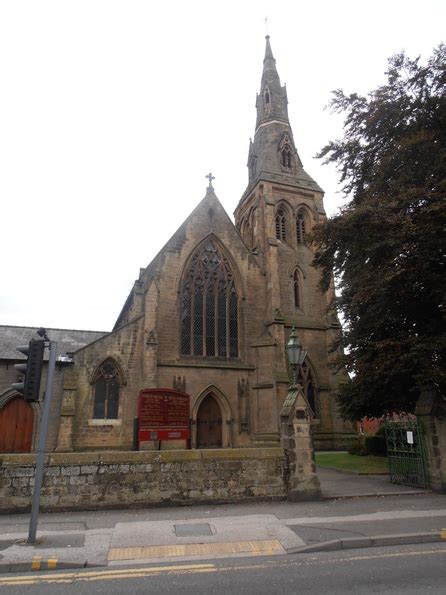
{"x": 112, "y": 479}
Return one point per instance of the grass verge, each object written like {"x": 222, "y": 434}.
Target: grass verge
{"x": 354, "y": 463}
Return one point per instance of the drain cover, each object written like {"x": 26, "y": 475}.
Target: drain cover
{"x": 192, "y": 530}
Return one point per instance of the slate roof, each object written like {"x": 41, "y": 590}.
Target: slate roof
{"x": 67, "y": 340}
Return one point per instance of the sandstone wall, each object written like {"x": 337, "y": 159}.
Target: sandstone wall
{"x": 96, "y": 480}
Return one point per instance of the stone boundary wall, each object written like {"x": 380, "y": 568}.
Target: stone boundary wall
{"x": 93, "y": 480}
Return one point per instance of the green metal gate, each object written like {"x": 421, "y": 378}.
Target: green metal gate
{"x": 405, "y": 453}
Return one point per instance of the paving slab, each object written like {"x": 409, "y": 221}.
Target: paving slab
{"x": 223, "y": 530}
{"x": 319, "y": 532}
{"x": 339, "y": 484}
{"x": 56, "y": 541}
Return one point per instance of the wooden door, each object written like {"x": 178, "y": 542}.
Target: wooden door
{"x": 209, "y": 428}
{"x": 16, "y": 426}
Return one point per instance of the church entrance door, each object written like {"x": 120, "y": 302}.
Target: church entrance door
{"x": 209, "y": 428}
{"x": 16, "y": 426}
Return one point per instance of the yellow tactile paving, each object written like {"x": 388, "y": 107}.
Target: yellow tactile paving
{"x": 52, "y": 563}
{"x": 267, "y": 547}
{"x": 36, "y": 563}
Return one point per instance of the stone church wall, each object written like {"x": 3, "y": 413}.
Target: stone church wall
{"x": 124, "y": 347}
{"x": 114, "y": 479}
{"x": 223, "y": 377}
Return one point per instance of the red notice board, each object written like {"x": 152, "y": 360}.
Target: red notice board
{"x": 163, "y": 414}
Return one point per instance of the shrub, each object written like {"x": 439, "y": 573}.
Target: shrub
{"x": 376, "y": 445}
{"x": 357, "y": 446}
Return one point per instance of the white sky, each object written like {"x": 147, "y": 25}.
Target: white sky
{"x": 112, "y": 112}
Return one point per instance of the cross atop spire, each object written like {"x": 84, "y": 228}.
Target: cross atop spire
{"x": 210, "y": 177}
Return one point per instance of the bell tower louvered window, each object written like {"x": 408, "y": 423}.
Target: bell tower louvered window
{"x": 281, "y": 224}
{"x": 300, "y": 227}
{"x": 209, "y": 305}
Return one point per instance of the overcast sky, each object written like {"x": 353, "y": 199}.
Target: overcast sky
{"x": 112, "y": 113}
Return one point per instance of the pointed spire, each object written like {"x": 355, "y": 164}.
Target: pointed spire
{"x": 269, "y": 60}
{"x": 272, "y": 153}
{"x": 271, "y": 103}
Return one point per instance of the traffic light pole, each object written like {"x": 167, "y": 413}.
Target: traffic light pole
{"x": 42, "y": 444}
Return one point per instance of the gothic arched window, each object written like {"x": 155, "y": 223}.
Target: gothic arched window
{"x": 305, "y": 379}
{"x": 209, "y": 305}
{"x": 254, "y": 218}
{"x": 297, "y": 290}
{"x": 286, "y": 157}
{"x": 107, "y": 387}
{"x": 300, "y": 226}
{"x": 281, "y": 224}
{"x": 267, "y": 95}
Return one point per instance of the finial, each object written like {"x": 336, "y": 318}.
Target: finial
{"x": 210, "y": 177}
{"x": 266, "y": 27}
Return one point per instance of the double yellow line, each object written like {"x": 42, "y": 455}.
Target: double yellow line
{"x": 100, "y": 575}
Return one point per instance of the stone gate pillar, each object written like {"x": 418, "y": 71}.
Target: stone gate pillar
{"x": 297, "y": 441}
{"x": 431, "y": 413}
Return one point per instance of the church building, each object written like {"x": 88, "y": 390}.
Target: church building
{"x": 211, "y": 314}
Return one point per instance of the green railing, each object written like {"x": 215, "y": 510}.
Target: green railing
{"x": 405, "y": 452}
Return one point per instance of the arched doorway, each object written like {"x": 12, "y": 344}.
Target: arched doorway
{"x": 16, "y": 426}
{"x": 209, "y": 424}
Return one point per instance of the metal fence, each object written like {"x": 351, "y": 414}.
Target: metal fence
{"x": 405, "y": 452}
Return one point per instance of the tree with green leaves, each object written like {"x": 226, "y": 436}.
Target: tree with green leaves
{"x": 387, "y": 245}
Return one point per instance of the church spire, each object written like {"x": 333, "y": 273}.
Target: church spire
{"x": 272, "y": 101}
{"x": 268, "y": 60}
{"x": 272, "y": 154}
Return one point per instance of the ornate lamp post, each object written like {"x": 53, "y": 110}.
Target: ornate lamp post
{"x": 296, "y": 431}
{"x": 296, "y": 354}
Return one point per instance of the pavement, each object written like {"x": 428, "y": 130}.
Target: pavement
{"x": 357, "y": 511}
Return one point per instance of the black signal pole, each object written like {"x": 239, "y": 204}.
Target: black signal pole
{"x": 42, "y": 439}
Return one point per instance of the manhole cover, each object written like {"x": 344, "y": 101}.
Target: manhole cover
{"x": 192, "y": 530}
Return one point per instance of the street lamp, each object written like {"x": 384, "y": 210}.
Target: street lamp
{"x": 296, "y": 355}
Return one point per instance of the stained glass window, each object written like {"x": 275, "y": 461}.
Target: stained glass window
{"x": 106, "y": 392}
{"x": 209, "y": 309}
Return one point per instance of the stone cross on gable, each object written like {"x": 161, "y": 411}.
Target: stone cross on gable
{"x": 210, "y": 177}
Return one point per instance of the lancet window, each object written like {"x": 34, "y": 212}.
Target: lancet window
{"x": 300, "y": 226}
{"x": 286, "y": 157}
{"x": 281, "y": 224}
{"x": 209, "y": 305}
{"x": 107, "y": 386}
{"x": 297, "y": 290}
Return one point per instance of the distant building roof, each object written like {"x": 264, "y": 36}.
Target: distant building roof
{"x": 68, "y": 340}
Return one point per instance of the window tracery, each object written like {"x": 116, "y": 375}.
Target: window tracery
{"x": 286, "y": 157}
{"x": 107, "y": 386}
{"x": 281, "y": 224}
{"x": 286, "y": 151}
{"x": 300, "y": 226}
{"x": 209, "y": 306}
